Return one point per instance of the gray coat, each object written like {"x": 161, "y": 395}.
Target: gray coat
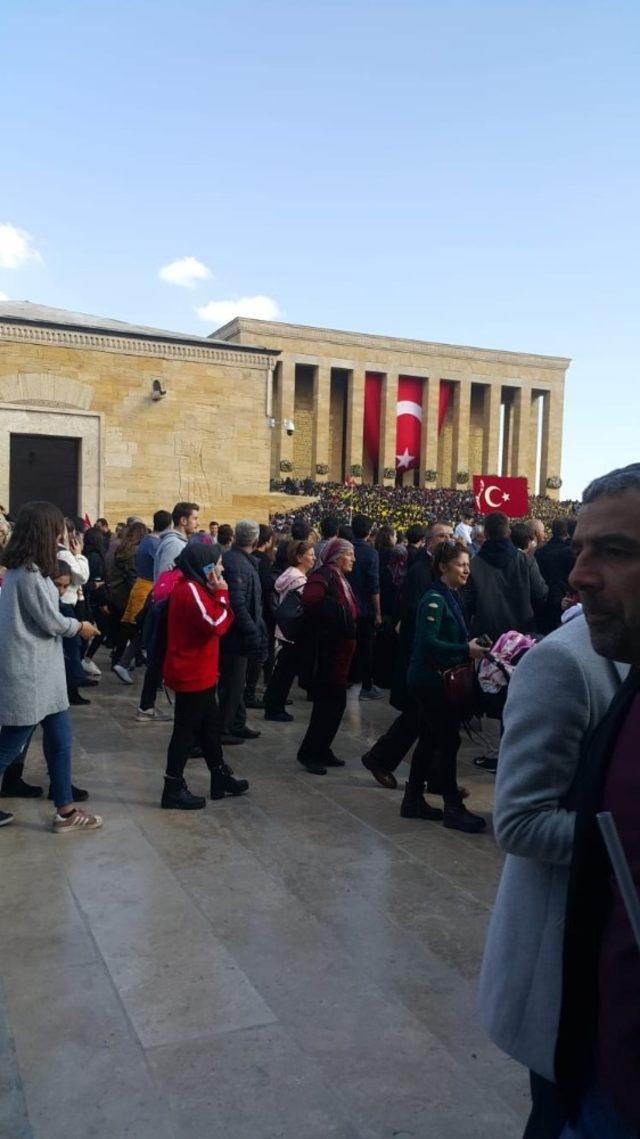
{"x": 32, "y": 678}
{"x": 559, "y": 693}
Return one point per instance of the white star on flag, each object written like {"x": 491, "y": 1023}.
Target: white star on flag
{"x": 505, "y": 497}
{"x": 405, "y": 459}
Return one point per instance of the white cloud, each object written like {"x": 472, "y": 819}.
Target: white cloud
{"x": 186, "y": 272}
{"x": 16, "y": 247}
{"x": 221, "y": 312}
{"x": 4, "y": 297}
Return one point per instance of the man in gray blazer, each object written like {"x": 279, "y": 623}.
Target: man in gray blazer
{"x": 557, "y": 696}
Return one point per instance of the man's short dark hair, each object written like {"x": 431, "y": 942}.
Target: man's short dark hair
{"x": 183, "y": 510}
{"x": 361, "y": 526}
{"x": 615, "y": 482}
{"x": 416, "y": 533}
{"x": 161, "y": 521}
{"x": 329, "y": 525}
{"x": 468, "y": 512}
{"x": 300, "y": 530}
{"x": 225, "y": 534}
{"x": 559, "y": 528}
{"x": 522, "y": 533}
{"x": 496, "y": 526}
{"x": 265, "y": 533}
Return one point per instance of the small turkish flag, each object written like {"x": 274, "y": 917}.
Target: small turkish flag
{"x": 493, "y": 492}
{"x": 87, "y": 521}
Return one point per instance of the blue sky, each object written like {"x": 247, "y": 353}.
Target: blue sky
{"x": 458, "y": 172}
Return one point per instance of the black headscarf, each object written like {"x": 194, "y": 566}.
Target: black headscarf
{"x": 193, "y": 559}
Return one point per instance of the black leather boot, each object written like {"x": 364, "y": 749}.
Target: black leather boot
{"x": 177, "y": 796}
{"x": 458, "y": 818}
{"x": 415, "y": 806}
{"x": 223, "y": 783}
{"x": 13, "y": 785}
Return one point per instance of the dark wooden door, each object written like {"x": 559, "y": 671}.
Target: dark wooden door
{"x": 44, "y": 467}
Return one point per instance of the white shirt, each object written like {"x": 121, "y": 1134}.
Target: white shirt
{"x": 464, "y": 533}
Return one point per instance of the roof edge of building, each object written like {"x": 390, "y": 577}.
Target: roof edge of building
{"x": 378, "y": 340}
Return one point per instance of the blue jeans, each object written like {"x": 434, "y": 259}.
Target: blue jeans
{"x": 56, "y": 739}
{"x": 598, "y": 1119}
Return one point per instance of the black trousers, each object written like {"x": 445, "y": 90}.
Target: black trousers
{"x": 233, "y": 678}
{"x": 329, "y": 703}
{"x": 362, "y": 668}
{"x": 389, "y": 751}
{"x": 196, "y": 720}
{"x": 152, "y": 682}
{"x": 256, "y": 668}
{"x": 435, "y": 759}
{"x": 283, "y": 676}
{"x": 549, "y": 1112}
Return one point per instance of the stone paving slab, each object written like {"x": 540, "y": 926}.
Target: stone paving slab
{"x": 296, "y": 964}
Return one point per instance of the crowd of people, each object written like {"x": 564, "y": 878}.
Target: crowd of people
{"x": 397, "y": 506}
{"x": 535, "y": 625}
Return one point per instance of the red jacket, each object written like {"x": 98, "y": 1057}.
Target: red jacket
{"x": 196, "y": 619}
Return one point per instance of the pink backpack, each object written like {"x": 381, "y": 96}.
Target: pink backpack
{"x": 497, "y": 666}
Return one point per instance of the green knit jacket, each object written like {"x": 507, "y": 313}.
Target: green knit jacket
{"x": 439, "y": 642}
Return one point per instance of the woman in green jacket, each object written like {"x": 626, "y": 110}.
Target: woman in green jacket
{"x": 441, "y": 641}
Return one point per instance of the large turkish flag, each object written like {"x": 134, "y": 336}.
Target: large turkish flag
{"x": 409, "y": 423}
{"x": 493, "y": 492}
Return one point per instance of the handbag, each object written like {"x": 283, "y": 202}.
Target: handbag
{"x": 289, "y": 614}
{"x": 459, "y": 684}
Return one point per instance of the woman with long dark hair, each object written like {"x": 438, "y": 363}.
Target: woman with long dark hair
{"x": 198, "y": 615}
{"x": 442, "y": 641}
{"x": 121, "y": 583}
{"x": 33, "y": 688}
{"x": 326, "y": 645}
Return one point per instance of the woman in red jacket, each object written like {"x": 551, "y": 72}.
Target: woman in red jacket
{"x": 198, "y": 615}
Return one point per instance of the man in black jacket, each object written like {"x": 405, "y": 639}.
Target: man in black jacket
{"x": 555, "y": 560}
{"x": 505, "y": 589}
{"x": 247, "y": 637}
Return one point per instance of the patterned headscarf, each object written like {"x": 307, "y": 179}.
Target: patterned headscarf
{"x": 330, "y": 555}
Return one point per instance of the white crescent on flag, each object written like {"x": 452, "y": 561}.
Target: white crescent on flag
{"x": 487, "y": 498}
{"x": 408, "y": 407}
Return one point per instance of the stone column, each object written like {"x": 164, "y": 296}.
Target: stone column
{"x": 321, "y": 421}
{"x": 551, "y": 457}
{"x": 388, "y": 415}
{"x": 429, "y": 437}
{"x": 534, "y": 410}
{"x": 520, "y": 457}
{"x": 461, "y": 420}
{"x": 355, "y": 422}
{"x": 491, "y": 430}
{"x": 284, "y": 409}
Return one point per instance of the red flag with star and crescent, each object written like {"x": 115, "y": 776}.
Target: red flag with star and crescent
{"x": 495, "y": 492}
{"x": 408, "y": 423}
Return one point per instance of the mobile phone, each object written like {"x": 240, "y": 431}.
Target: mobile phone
{"x": 484, "y": 640}
{"x": 209, "y": 567}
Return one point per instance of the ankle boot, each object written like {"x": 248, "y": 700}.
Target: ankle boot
{"x": 13, "y": 785}
{"x": 76, "y": 698}
{"x": 177, "y": 796}
{"x": 223, "y": 783}
{"x": 458, "y": 818}
{"x": 415, "y": 806}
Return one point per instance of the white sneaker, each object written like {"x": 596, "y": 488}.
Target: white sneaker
{"x": 152, "y": 716}
{"x": 90, "y": 668}
{"x": 123, "y": 673}
{"x": 372, "y": 693}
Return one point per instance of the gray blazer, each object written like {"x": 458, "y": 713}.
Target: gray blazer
{"x": 32, "y": 679}
{"x": 559, "y": 693}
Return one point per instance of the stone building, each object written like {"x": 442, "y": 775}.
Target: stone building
{"x": 504, "y": 414}
{"x": 113, "y": 418}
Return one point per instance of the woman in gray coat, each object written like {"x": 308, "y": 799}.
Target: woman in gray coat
{"x": 32, "y": 679}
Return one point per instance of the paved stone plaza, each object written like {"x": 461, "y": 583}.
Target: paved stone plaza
{"x": 296, "y": 964}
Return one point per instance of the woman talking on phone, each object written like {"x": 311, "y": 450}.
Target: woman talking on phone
{"x": 198, "y": 616}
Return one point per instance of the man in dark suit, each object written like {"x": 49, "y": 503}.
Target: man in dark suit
{"x": 389, "y": 751}
{"x": 555, "y": 562}
{"x": 247, "y": 637}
